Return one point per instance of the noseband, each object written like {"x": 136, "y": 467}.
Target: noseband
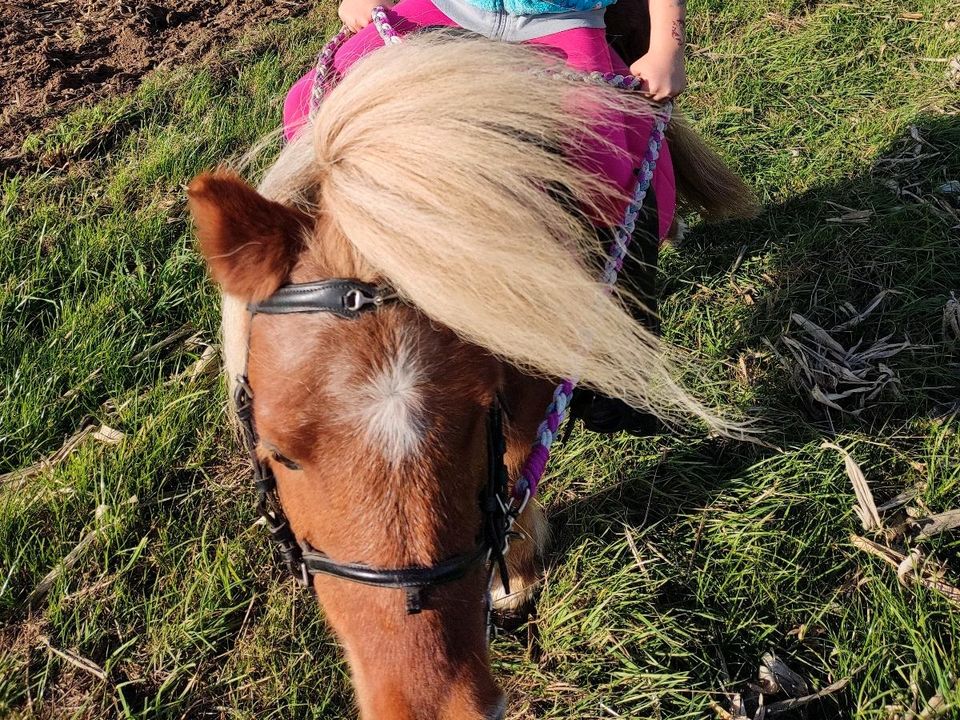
{"x": 349, "y": 300}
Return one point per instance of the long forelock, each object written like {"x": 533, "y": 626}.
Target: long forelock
{"x": 484, "y": 262}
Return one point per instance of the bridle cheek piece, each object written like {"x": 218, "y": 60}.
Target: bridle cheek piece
{"x": 349, "y": 299}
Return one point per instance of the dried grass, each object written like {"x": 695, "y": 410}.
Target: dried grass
{"x": 834, "y": 377}
{"x": 912, "y": 568}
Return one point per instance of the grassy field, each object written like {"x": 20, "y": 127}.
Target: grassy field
{"x": 133, "y": 582}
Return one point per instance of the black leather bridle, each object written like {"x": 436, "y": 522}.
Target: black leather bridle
{"x": 349, "y": 299}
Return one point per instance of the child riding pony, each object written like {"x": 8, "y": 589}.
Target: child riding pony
{"x": 577, "y": 38}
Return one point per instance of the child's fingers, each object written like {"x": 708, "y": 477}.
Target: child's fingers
{"x": 644, "y": 86}
{"x": 661, "y": 92}
{"x": 354, "y": 21}
{"x": 654, "y": 90}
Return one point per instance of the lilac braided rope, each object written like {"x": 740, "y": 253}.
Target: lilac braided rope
{"x": 536, "y": 463}
{"x": 387, "y": 33}
{"x": 323, "y": 80}
{"x": 324, "y": 68}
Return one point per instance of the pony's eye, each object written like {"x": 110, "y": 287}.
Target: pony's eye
{"x": 285, "y": 461}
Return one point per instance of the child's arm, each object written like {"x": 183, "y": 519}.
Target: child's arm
{"x": 355, "y": 14}
{"x": 663, "y": 66}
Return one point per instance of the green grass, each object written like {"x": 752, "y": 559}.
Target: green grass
{"x": 739, "y": 549}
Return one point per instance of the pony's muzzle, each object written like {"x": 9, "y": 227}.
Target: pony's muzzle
{"x": 499, "y": 711}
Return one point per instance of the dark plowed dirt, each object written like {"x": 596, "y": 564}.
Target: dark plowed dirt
{"x": 58, "y": 54}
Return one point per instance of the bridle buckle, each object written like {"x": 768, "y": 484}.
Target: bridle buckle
{"x": 357, "y": 299}
{"x": 304, "y": 578}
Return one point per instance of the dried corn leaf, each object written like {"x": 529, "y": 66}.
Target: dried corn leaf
{"x": 768, "y": 681}
{"x": 101, "y": 521}
{"x": 818, "y": 333}
{"x": 821, "y": 397}
{"x": 920, "y": 576}
{"x": 852, "y": 217}
{"x": 835, "y": 378}
{"x": 182, "y": 333}
{"x": 865, "y": 508}
{"x": 951, "y": 319}
{"x": 794, "y": 703}
{"x": 723, "y": 714}
{"x": 882, "y": 351}
{"x": 777, "y": 675}
{"x": 901, "y": 499}
{"x": 76, "y": 660}
{"x": 908, "y": 566}
{"x": 103, "y": 434}
{"x": 72, "y": 443}
{"x": 204, "y": 365}
{"x": 738, "y": 708}
{"x": 848, "y": 393}
{"x": 859, "y": 317}
{"x": 108, "y": 435}
{"x": 936, "y": 524}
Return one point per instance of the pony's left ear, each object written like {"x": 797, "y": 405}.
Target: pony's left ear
{"x": 250, "y": 243}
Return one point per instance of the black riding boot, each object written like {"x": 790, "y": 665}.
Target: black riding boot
{"x": 639, "y": 275}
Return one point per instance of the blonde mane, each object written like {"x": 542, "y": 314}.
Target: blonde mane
{"x": 432, "y": 159}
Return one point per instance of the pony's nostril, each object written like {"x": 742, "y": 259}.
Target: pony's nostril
{"x": 499, "y": 712}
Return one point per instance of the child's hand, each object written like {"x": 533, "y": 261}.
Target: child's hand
{"x": 663, "y": 73}
{"x": 355, "y": 14}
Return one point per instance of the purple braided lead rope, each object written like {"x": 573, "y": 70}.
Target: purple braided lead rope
{"x": 536, "y": 463}
{"x": 323, "y": 80}
{"x": 387, "y": 33}
{"x": 325, "y": 73}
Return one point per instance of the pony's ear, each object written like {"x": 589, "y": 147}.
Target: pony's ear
{"x": 250, "y": 243}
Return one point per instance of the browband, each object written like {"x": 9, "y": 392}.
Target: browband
{"x": 343, "y": 298}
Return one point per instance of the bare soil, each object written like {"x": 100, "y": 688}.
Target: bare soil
{"x": 58, "y": 54}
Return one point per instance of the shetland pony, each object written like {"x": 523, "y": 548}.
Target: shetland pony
{"x": 428, "y": 169}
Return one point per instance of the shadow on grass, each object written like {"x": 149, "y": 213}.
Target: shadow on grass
{"x": 894, "y": 227}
